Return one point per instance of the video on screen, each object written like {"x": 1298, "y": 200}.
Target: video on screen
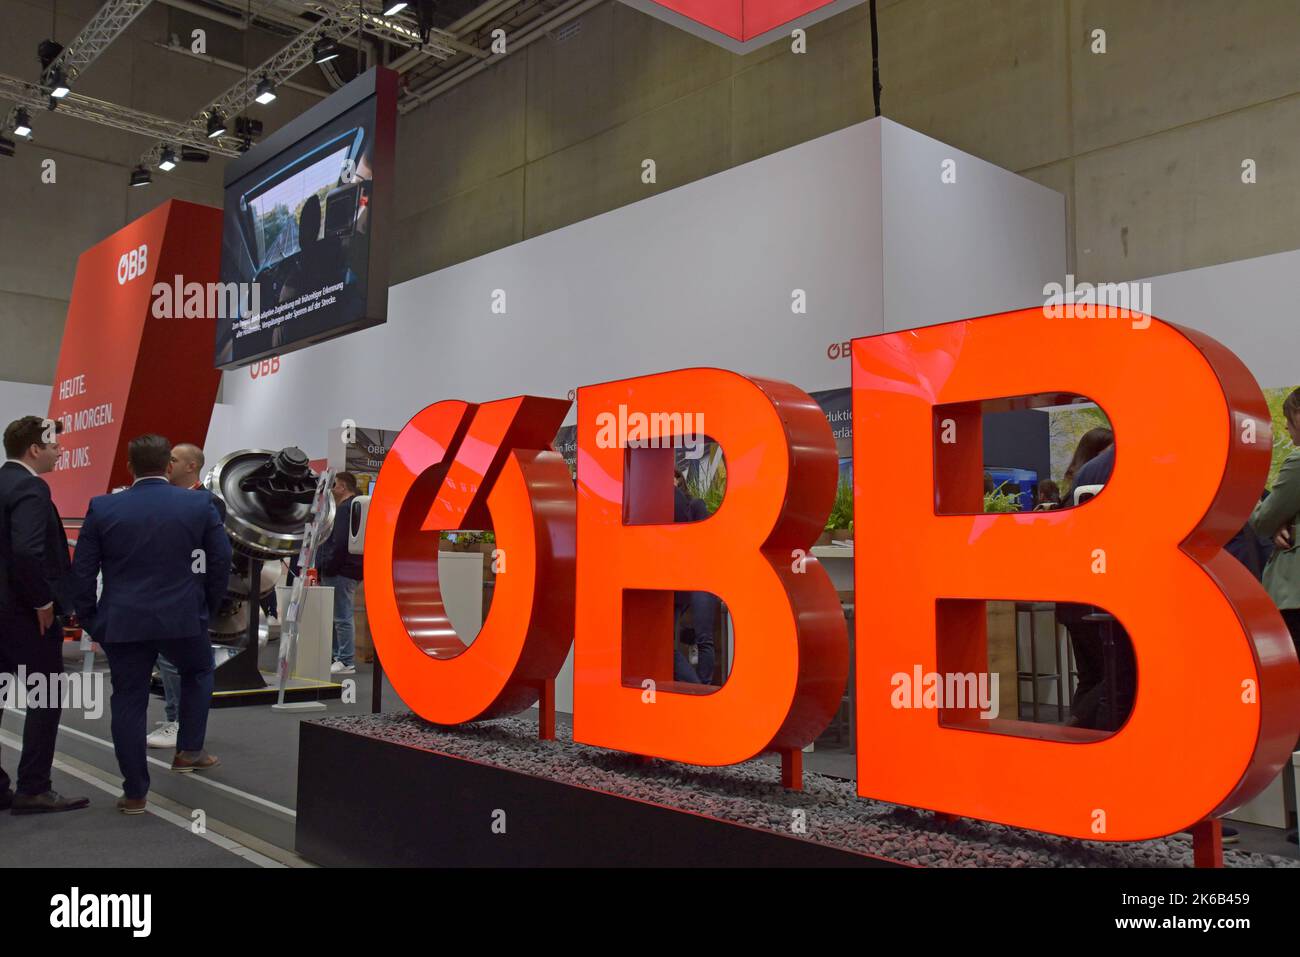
{"x": 297, "y": 238}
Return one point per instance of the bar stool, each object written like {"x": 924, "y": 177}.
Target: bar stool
{"x": 1033, "y": 675}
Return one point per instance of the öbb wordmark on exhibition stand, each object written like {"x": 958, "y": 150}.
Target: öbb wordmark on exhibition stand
{"x": 1220, "y": 682}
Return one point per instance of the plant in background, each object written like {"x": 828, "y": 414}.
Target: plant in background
{"x": 841, "y": 515}
{"x": 1282, "y": 446}
{"x": 708, "y": 480}
{"x": 1000, "y": 500}
{"x": 717, "y": 489}
{"x": 465, "y": 541}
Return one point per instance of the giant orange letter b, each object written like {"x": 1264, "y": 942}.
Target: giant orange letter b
{"x": 791, "y": 655}
{"x": 1217, "y": 707}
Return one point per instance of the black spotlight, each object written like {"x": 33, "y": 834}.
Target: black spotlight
{"x": 248, "y": 128}
{"x": 6, "y": 147}
{"x": 424, "y": 11}
{"x": 47, "y": 52}
{"x": 22, "y": 123}
{"x": 324, "y": 49}
{"x": 216, "y": 124}
{"x": 168, "y": 161}
{"x": 192, "y": 154}
{"x": 140, "y": 177}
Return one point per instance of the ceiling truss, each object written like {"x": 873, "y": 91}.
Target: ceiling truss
{"x": 459, "y": 50}
{"x": 103, "y": 28}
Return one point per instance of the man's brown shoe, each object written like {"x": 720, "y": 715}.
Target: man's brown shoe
{"x": 46, "y": 803}
{"x": 131, "y": 805}
{"x": 194, "y": 761}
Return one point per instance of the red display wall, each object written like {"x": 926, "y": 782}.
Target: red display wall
{"x": 126, "y": 367}
{"x": 742, "y": 19}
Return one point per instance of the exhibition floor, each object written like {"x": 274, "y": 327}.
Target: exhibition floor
{"x": 248, "y": 803}
{"x": 101, "y": 837}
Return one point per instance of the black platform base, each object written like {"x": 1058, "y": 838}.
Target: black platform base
{"x": 366, "y": 801}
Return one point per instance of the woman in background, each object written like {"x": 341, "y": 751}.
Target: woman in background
{"x": 1085, "y": 636}
{"x": 1093, "y": 443}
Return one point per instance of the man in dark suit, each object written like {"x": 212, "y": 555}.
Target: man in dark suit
{"x": 33, "y": 576}
{"x": 185, "y": 471}
{"x": 166, "y": 563}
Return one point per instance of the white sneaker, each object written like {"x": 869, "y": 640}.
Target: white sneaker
{"x": 339, "y": 668}
{"x": 164, "y": 736}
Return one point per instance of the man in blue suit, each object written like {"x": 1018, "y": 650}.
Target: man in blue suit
{"x": 166, "y": 563}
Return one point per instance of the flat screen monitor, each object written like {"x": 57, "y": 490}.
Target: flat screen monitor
{"x": 306, "y": 230}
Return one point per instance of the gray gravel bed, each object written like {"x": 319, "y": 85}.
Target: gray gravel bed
{"x": 828, "y": 809}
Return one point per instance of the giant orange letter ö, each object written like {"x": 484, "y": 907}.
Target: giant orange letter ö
{"x": 456, "y": 465}
{"x": 1218, "y": 698}
{"x": 791, "y": 652}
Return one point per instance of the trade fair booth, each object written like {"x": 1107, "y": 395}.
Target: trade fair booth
{"x": 834, "y": 344}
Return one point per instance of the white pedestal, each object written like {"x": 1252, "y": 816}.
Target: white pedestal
{"x": 1271, "y": 806}
{"x": 838, "y": 562}
{"x": 460, "y": 579}
{"x": 1268, "y": 808}
{"x": 314, "y": 653}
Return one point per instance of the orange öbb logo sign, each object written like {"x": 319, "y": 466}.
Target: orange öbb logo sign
{"x": 1218, "y": 701}
{"x": 457, "y": 465}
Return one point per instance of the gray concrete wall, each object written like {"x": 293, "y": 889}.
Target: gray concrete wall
{"x": 1145, "y": 140}
{"x": 44, "y": 227}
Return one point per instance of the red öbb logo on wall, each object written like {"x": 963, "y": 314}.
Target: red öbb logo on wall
{"x": 264, "y": 368}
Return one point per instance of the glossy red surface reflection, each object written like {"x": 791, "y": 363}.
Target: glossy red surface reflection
{"x": 1218, "y": 696}
{"x": 457, "y": 465}
{"x": 791, "y": 650}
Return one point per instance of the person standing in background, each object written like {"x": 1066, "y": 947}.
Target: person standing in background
{"x": 33, "y": 579}
{"x": 1278, "y": 516}
{"x": 1091, "y": 444}
{"x": 1085, "y": 636}
{"x": 702, "y": 605}
{"x": 1275, "y": 517}
{"x": 184, "y": 472}
{"x": 341, "y": 570}
{"x": 1047, "y": 496}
